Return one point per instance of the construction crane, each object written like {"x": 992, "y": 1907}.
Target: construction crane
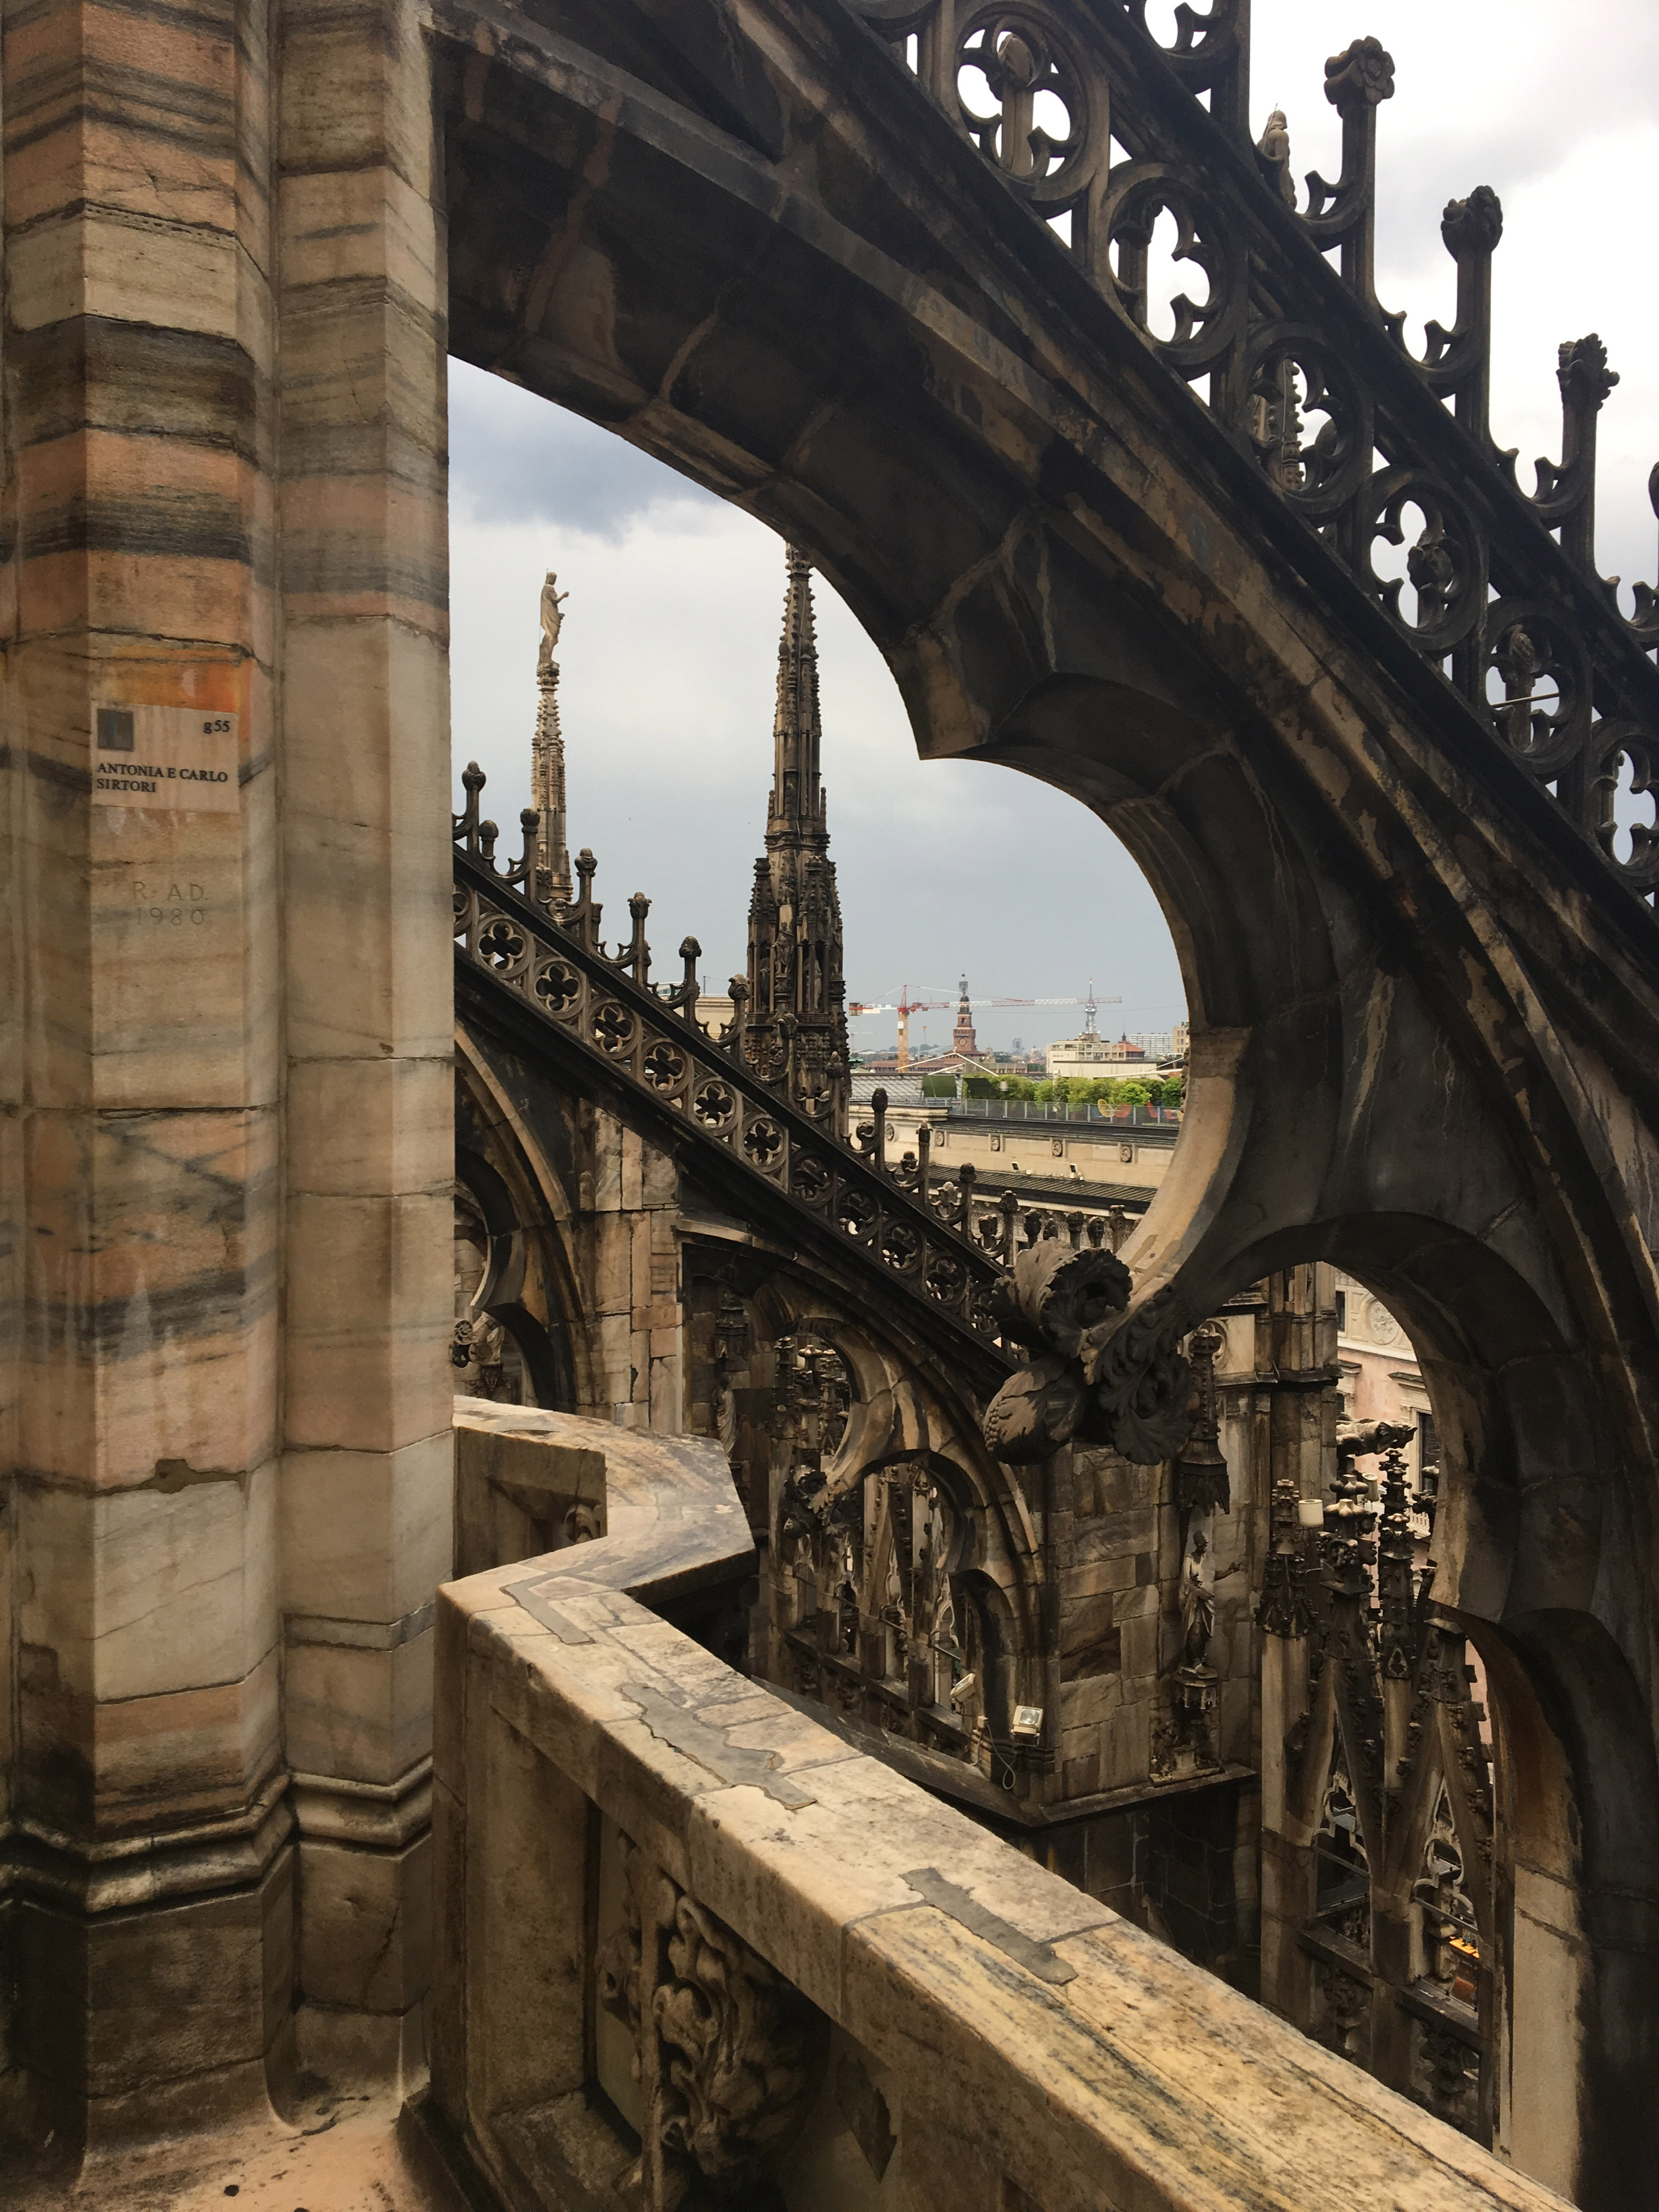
{"x": 1090, "y": 1004}
{"x": 905, "y": 1005}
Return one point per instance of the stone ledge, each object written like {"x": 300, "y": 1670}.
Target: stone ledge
{"x": 119, "y": 1873}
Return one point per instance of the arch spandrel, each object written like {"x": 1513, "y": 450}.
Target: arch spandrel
{"x": 984, "y": 610}
{"x": 503, "y": 1163}
{"x": 900, "y": 1413}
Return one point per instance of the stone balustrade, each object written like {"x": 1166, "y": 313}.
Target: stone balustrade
{"x": 692, "y": 1950}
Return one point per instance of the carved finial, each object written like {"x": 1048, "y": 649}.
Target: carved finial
{"x": 1653, "y": 488}
{"x": 1474, "y": 225}
{"x": 1362, "y": 75}
{"x": 1582, "y": 373}
{"x": 1201, "y": 1476}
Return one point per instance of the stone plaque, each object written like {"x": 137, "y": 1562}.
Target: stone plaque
{"x": 170, "y": 760}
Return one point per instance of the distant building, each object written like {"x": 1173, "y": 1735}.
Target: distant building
{"x": 1092, "y": 1054}
{"x": 716, "y": 1012}
{"x": 1380, "y": 1378}
{"x": 964, "y": 1043}
{"x": 902, "y": 1090}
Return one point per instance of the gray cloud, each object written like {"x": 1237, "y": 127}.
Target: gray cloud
{"x": 515, "y": 458}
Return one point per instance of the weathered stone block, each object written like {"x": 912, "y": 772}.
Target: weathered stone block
{"x": 367, "y": 1535}
{"x": 365, "y": 1930}
{"x": 362, "y": 1713}
{"x": 1089, "y": 1640}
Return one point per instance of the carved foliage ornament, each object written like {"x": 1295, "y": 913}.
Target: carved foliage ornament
{"x": 1474, "y": 225}
{"x": 741, "y": 2049}
{"x": 1139, "y": 193}
{"x": 1142, "y": 1383}
{"x": 1093, "y": 1375}
{"x": 1362, "y": 75}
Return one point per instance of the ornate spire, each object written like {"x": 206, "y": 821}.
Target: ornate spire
{"x": 795, "y": 1024}
{"x": 795, "y": 813}
{"x": 553, "y": 883}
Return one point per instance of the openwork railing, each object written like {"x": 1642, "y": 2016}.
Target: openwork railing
{"x": 932, "y": 1236}
{"x": 1389, "y": 459}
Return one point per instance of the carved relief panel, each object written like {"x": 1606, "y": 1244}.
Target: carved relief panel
{"x": 704, "y": 2052}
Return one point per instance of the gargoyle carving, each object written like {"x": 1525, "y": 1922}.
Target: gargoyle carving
{"x": 741, "y": 2051}
{"x": 1093, "y": 1375}
{"x": 1357, "y": 1439}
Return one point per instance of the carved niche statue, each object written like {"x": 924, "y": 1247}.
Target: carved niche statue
{"x": 1197, "y": 1606}
{"x": 1096, "y": 1375}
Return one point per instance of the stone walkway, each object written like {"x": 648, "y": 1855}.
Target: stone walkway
{"x": 355, "y": 2159}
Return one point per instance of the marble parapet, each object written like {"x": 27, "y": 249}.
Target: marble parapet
{"x": 912, "y": 1990}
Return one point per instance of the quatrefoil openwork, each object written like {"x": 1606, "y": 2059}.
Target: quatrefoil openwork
{"x": 613, "y": 1027}
{"x": 502, "y": 945}
{"x": 664, "y": 1065}
{"x": 857, "y": 1214}
{"x": 1023, "y": 101}
{"x": 901, "y": 1247}
{"x": 764, "y": 1142}
{"x": 714, "y": 1103}
{"x": 558, "y": 986}
{"x": 811, "y": 1179}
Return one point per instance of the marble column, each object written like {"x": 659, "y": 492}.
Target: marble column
{"x": 226, "y": 1143}
{"x": 148, "y": 1870}
{"x": 367, "y": 1229}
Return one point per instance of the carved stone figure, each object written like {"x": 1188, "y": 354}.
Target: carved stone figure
{"x": 552, "y": 617}
{"x": 1359, "y": 1439}
{"x": 1198, "y": 1581}
{"x": 1197, "y": 1606}
{"x": 1274, "y": 149}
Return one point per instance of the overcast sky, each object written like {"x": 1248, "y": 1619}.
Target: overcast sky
{"x": 669, "y": 650}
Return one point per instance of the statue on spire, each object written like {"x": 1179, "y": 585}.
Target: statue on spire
{"x": 552, "y": 621}
{"x": 553, "y": 884}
